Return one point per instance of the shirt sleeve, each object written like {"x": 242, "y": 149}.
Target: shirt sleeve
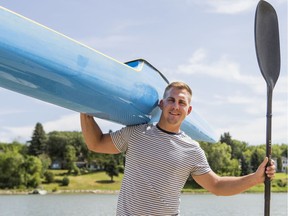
{"x": 202, "y": 165}
{"x": 121, "y": 137}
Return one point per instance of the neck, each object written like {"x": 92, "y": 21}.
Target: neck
{"x": 168, "y": 128}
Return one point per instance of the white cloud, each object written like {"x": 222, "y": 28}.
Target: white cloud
{"x": 228, "y": 70}
{"x": 233, "y": 99}
{"x": 231, "y": 7}
{"x": 65, "y": 123}
{"x": 233, "y": 104}
{"x": 4, "y": 112}
{"x": 223, "y": 68}
{"x": 254, "y": 130}
{"x": 21, "y": 134}
{"x": 72, "y": 123}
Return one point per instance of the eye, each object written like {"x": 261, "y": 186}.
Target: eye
{"x": 170, "y": 99}
{"x": 182, "y": 102}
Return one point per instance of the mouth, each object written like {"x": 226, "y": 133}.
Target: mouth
{"x": 174, "y": 114}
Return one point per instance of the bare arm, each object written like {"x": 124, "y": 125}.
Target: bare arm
{"x": 226, "y": 186}
{"x": 95, "y": 140}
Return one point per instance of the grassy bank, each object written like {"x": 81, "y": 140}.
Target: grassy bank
{"x": 99, "y": 182}
{"x": 279, "y": 184}
{"x": 90, "y": 181}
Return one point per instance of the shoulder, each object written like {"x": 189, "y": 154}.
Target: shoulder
{"x": 185, "y": 138}
{"x": 127, "y": 131}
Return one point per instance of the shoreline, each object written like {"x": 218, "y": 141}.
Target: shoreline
{"x": 105, "y": 192}
{"x": 30, "y": 192}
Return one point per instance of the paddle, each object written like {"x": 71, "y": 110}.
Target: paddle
{"x": 268, "y": 56}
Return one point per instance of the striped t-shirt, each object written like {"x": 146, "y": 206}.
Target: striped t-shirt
{"x": 157, "y": 166}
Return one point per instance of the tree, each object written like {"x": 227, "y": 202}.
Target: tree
{"x": 33, "y": 169}
{"x": 220, "y": 160}
{"x": 49, "y": 176}
{"x": 257, "y": 158}
{"x": 19, "y": 171}
{"x": 11, "y": 176}
{"x": 56, "y": 145}
{"x": 111, "y": 169}
{"x": 279, "y": 164}
{"x": 38, "y": 142}
{"x": 237, "y": 147}
{"x": 245, "y": 166}
{"x": 284, "y": 149}
{"x": 46, "y": 162}
{"x": 65, "y": 181}
{"x": 70, "y": 158}
{"x": 226, "y": 138}
{"x": 58, "y": 140}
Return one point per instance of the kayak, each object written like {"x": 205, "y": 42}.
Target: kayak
{"x": 44, "y": 64}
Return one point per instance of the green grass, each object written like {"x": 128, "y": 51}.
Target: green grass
{"x": 90, "y": 181}
{"x": 279, "y": 184}
{"x": 100, "y": 181}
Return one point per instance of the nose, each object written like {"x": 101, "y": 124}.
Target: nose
{"x": 175, "y": 105}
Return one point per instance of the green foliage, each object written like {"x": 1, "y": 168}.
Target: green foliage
{"x": 17, "y": 170}
{"x": 245, "y": 166}
{"x": 38, "y": 142}
{"x": 49, "y": 176}
{"x": 281, "y": 182}
{"x": 46, "y": 162}
{"x": 32, "y": 171}
{"x": 12, "y": 175}
{"x": 65, "y": 181}
{"x": 219, "y": 158}
{"x": 13, "y": 147}
{"x": 20, "y": 170}
{"x": 112, "y": 169}
{"x": 256, "y": 158}
{"x": 237, "y": 147}
{"x": 70, "y": 157}
{"x": 279, "y": 163}
{"x": 57, "y": 142}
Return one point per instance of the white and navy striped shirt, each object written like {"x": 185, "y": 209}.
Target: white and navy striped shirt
{"x": 157, "y": 166}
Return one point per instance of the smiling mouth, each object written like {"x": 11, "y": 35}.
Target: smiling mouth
{"x": 174, "y": 114}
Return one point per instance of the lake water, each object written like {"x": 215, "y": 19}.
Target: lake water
{"x": 105, "y": 205}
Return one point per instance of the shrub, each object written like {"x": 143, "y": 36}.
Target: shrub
{"x": 49, "y": 176}
{"x": 55, "y": 189}
{"x": 65, "y": 181}
{"x": 281, "y": 182}
{"x": 120, "y": 169}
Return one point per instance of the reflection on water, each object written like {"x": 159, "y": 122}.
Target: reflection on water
{"x": 105, "y": 205}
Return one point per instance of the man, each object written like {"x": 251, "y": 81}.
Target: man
{"x": 160, "y": 158}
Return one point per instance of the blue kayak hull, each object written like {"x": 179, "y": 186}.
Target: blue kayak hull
{"x": 44, "y": 64}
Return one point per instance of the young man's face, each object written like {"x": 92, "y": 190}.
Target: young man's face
{"x": 175, "y": 107}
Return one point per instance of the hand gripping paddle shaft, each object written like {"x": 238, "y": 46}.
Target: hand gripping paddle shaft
{"x": 268, "y": 56}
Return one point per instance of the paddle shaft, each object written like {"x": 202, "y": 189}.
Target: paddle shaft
{"x": 268, "y": 56}
{"x": 268, "y": 149}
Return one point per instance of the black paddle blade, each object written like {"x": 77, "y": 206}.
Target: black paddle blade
{"x": 267, "y": 42}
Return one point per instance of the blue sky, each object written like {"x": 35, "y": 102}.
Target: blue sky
{"x": 209, "y": 44}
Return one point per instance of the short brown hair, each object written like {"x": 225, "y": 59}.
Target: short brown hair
{"x": 178, "y": 85}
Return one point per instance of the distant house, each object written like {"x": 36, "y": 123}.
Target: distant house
{"x": 94, "y": 166}
{"x": 56, "y": 164}
{"x": 284, "y": 164}
{"x": 81, "y": 164}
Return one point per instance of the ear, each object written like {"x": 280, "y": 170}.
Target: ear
{"x": 161, "y": 104}
{"x": 189, "y": 110}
